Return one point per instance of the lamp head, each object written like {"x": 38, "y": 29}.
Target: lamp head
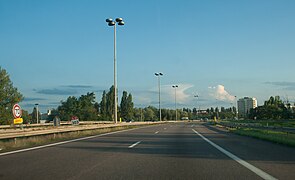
{"x": 109, "y": 20}
{"x": 119, "y": 19}
{"x": 112, "y": 23}
{"x": 121, "y": 23}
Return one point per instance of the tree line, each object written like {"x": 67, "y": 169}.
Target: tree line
{"x": 86, "y": 108}
{"x": 274, "y": 109}
{"x": 9, "y": 95}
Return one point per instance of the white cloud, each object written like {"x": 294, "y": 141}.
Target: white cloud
{"x": 220, "y": 93}
{"x": 181, "y": 95}
{"x": 150, "y": 97}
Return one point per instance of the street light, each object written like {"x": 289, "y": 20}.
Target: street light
{"x": 175, "y": 86}
{"x": 237, "y": 110}
{"x": 112, "y": 22}
{"x": 37, "y": 112}
{"x": 158, "y": 75}
{"x": 196, "y": 96}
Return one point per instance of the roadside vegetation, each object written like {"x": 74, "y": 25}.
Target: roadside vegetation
{"x": 9, "y": 95}
{"x": 273, "y": 136}
{"x": 273, "y": 123}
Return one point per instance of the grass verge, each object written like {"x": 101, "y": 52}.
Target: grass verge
{"x": 273, "y": 136}
{"x": 33, "y": 141}
{"x": 275, "y": 123}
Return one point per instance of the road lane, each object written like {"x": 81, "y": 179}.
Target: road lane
{"x": 175, "y": 152}
{"x": 277, "y": 160}
{"x": 252, "y": 168}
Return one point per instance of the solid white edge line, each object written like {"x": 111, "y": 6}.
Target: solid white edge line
{"x": 249, "y": 166}
{"x": 65, "y": 142}
{"x": 133, "y": 145}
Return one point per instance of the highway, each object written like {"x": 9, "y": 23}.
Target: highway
{"x": 169, "y": 151}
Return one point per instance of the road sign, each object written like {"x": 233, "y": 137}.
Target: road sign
{"x": 75, "y": 120}
{"x": 18, "y": 121}
{"x": 16, "y": 111}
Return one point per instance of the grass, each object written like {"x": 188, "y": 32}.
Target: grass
{"x": 273, "y": 136}
{"x": 27, "y": 142}
{"x": 275, "y": 123}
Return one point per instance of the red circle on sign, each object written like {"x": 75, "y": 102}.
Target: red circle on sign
{"x": 16, "y": 111}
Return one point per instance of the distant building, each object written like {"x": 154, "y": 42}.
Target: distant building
{"x": 244, "y": 106}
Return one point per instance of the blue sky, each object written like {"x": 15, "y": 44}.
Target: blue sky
{"x": 53, "y": 49}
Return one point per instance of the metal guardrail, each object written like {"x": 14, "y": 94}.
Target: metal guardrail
{"x": 63, "y": 123}
{"x": 25, "y": 134}
{"x": 258, "y": 126}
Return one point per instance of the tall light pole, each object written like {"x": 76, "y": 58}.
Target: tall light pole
{"x": 196, "y": 96}
{"x": 37, "y": 112}
{"x": 237, "y": 115}
{"x": 112, "y": 22}
{"x": 159, "y": 86}
{"x": 175, "y": 86}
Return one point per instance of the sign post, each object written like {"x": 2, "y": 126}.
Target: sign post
{"x": 17, "y": 114}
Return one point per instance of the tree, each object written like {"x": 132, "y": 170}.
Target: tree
{"x": 68, "y": 108}
{"x": 138, "y": 114}
{"x": 110, "y": 103}
{"x": 84, "y": 107}
{"x": 194, "y": 111}
{"x": 9, "y": 95}
{"x": 216, "y": 110}
{"x": 212, "y": 110}
{"x": 87, "y": 110}
{"x": 103, "y": 106}
{"x": 149, "y": 114}
{"x": 34, "y": 115}
{"x": 183, "y": 114}
{"x": 123, "y": 106}
{"x": 130, "y": 107}
{"x": 222, "y": 109}
{"x": 26, "y": 117}
{"x": 273, "y": 109}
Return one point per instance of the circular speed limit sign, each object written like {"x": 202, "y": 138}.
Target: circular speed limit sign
{"x": 16, "y": 111}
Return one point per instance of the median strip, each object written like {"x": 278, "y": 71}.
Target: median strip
{"x": 64, "y": 142}
{"x": 39, "y": 141}
{"x": 252, "y": 168}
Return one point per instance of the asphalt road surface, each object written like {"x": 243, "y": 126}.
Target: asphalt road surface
{"x": 169, "y": 151}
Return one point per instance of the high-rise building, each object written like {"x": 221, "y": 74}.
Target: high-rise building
{"x": 244, "y": 106}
